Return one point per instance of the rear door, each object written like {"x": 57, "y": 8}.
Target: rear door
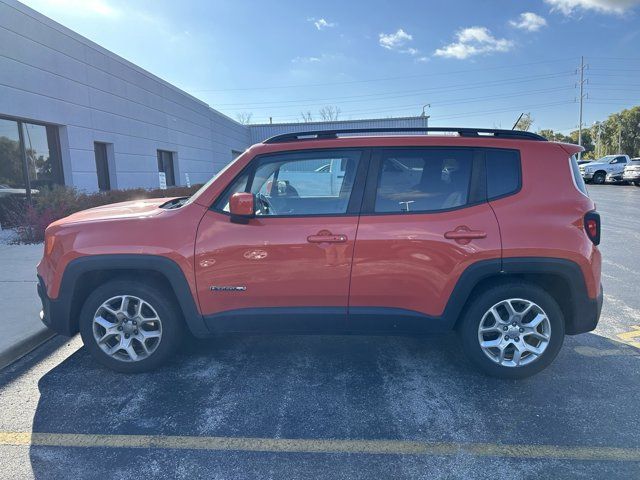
{"x": 425, "y": 220}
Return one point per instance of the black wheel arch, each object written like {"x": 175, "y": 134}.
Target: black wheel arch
{"x": 83, "y": 274}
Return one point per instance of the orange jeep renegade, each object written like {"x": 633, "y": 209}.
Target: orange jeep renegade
{"x": 339, "y": 232}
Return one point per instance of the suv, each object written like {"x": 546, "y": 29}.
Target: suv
{"x": 631, "y": 172}
{"x": 598, "y": 170}
{"x": 423, "y": 233}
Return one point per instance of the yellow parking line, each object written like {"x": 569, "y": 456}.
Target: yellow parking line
{"x": 629, "y": 337}
{"x": 291, "y": 445}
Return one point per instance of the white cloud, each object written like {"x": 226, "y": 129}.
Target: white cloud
{"x": 529, "y": 21}
{"x": 394, "y": 41}
{"x": 321, "y": 23}
{"x": 325, "y": 57}
{"x": 473, "y": 41}
{"x": 604, "y": 6}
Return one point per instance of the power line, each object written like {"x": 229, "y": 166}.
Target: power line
{"x": 382, "y": 79}
{"x": 401, "y": 94}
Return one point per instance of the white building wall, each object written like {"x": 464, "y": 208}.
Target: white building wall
{"x": 49, "y": 73}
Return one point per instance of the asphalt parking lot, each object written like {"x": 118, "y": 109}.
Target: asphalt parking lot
{"x": 342, "y": 407}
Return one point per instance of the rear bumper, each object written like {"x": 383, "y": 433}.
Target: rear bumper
{"x": 54, "y": 314}
{"x": 586, "y": 315}
{"x": 631, "y": 177}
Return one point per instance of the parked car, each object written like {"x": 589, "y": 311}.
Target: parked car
{"x": 598, "y": 170}
{"x": 425, "y": 233}
{"x": 631, "y": 172}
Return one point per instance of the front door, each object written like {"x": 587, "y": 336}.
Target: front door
{"x": 425, "y": 220}
{"x": 290, "y": 265}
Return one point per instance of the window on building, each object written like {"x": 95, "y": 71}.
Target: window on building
{"x": 29, "y": 156}
{"x": 102, "y": 166}
{"x": 423, "y": 180}
{"x": 165, "y": 165}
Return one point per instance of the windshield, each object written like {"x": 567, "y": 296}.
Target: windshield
{"x": 606, "y": 158}
{"x": 204, "y": 187}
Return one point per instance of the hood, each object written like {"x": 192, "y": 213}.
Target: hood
{"x": 117, "y": 211}
{"x": 594, "y": 164}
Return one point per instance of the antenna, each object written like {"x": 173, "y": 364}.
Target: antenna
{"x": 516, "y": 124}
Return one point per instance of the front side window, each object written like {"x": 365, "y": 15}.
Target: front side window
{"x": 423, "y": 180}
{"x": 305, "y": 183}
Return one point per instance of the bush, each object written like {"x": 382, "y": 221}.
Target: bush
{"x": 51, "y": 204}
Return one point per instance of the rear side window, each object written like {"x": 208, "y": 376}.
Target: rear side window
{"x": 503, "y": 172}
{"x": 577, "y": 178}
{"x": 423, "y": 180}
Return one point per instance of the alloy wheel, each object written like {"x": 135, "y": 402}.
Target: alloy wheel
{"x": 514, "y": 332}
{"x": 127, "y": 328}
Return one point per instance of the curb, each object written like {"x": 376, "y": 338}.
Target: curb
{"x": 20, "y": 349}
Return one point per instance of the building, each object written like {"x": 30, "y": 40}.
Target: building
{"x": 74, "y": 113}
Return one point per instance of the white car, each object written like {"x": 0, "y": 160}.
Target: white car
{"x": 598, "y": 170}
{"x": 631, "y": 172}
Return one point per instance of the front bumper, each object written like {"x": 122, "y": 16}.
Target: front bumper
{"x": 587, "y": 176}
{"x": 54, "y": 314}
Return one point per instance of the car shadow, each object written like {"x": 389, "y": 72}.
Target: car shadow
{"x": 344, "y": 387}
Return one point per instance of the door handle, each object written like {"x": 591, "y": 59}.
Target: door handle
{"x": 464, "y": 234}
{"x": 325, "y": 236}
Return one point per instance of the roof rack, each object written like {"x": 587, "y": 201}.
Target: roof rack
{"x": 463, "y": 132}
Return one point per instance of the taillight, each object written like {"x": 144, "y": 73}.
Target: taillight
{"x": 592, "y": 226}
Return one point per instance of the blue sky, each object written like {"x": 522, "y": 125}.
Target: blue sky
{"x": 478, "y": 63}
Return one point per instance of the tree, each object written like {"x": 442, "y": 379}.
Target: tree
{"x": 306, "y": 116}
{"x": 244, "y": 117}
{"x": 329, "y": 113}
{"x": 525, "y": 122}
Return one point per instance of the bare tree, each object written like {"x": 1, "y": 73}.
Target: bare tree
{"x": 329, "y": 113}
{"x": 306, "y": 116}
{"x": 525, "y": 122}
{"x": 244, "y": 117}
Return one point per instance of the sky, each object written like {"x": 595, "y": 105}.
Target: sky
{"x": 475, "y": 63}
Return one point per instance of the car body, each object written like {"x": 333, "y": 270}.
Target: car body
{"x": 452, "y": 239}
{"x": 631, "y": 172}
{"x": 598, "y": 170}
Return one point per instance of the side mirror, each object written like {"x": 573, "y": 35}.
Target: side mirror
{"x": 242, "y": 207}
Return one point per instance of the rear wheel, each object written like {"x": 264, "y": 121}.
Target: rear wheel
{"x": 599, "y": 178}
{"x": 129, "y": 326}
{"x": 512, "y": 331}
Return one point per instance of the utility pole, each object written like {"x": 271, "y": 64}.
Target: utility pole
{"x": 582, "y": 97}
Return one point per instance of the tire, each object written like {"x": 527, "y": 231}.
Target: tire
{"x": 599, "y": 178}
{"x": 637, "y": 184}
{"x": 158, "y": 318}
{"x": 488, "y": 360}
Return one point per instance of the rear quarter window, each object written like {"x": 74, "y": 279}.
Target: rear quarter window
{"x": 577, "y": 178}
{"x": 503, "y": 172}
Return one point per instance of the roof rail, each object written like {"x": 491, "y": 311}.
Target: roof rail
{"x": 463, "y": 132}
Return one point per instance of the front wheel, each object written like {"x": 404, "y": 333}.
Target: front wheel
{"x": 130, "y": 326}
{"x": 599, "y": 178}
{"x": 512, "y": 331}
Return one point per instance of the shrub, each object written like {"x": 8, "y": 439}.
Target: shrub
{"x": 51, "y": 204}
